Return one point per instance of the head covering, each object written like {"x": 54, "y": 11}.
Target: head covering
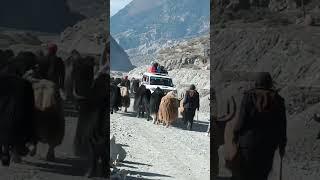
{"x": 52, "y": 49}
{"x": 192, "y": 87}
{"x": 264, "y": 80}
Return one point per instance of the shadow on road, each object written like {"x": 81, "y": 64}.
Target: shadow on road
{"x": 198, "y": 126}
{"x": 65, "y": 166}
{"x": 129, "y": 114}
{"x": 147, "y": 174}
{"x": 135, "y": 163}
{"x": 137, "y": 178}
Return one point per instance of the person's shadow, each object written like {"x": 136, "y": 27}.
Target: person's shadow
{"x": 65, "y": 166}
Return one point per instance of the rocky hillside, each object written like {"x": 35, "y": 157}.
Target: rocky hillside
{"x": 37, "y": 15}
{"x": 88, "y": 8}
{"x": 89, "y": 37}
{"x": 144, "y": 26}
{"x": 191, "y": 53}
{"x": 251, "y": 38}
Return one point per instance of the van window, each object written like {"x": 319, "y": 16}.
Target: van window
{"x": 145, "y": 78}
{"x": 161, "y": 81}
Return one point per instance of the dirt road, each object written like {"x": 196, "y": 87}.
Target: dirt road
{"x": 157, "y": 152}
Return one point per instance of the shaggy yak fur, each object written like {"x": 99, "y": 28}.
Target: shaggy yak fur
{"x": 125, "y": 98}
{"x": 168, "y": 109}
{"x": 49, "y": 118}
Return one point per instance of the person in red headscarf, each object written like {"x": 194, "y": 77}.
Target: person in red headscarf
{"x": 125, "y": 82}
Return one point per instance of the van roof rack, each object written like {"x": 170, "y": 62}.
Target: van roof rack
{"x": 158, "y": 74}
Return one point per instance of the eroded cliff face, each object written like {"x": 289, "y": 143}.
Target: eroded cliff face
{"x": 37, "y": 15}
{"x": 144, "y": 26}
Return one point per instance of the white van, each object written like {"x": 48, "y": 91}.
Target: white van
{"x": 154, "y": 80}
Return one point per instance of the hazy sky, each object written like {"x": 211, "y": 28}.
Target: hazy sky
{"x": 116, "y": 5}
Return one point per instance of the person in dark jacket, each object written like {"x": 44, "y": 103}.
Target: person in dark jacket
{"x": 52, "y": 68}
{"x": 261, "y": 129}
{"x": 125, "y": 82}
{"x": 190, "y": 104}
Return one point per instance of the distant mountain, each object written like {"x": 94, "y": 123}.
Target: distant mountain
{"x": 37, "y": 15}
{"x": 119, "y": 58}
{"x": 145, "y": 25}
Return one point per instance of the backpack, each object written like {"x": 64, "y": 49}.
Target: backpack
{"x": 192, "y": 98}
{"x": 44, "y": 94}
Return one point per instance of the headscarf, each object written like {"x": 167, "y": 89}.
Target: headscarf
{"x": 264, "y": 80}
{"x": 192, "y": 87}
{"x": 52, "y": 49}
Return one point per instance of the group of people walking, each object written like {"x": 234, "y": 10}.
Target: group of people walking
{"x": 38, "y": 84}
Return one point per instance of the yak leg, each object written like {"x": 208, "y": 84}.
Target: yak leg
{"x": 16, "y": 158}
{"x": 215, "y": 168}
{"x": 51, "y": 153}
{"x": 32, "y": 149}
{"x": 92, "y": 162}
{"x": 125, "y": 109}
{"x": 148, "y": 116}
{"x": 154, "y": 118}
{"x": 5, "y": 155}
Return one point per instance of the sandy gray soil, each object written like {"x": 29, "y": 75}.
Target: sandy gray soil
{"x": 157, "y": 152}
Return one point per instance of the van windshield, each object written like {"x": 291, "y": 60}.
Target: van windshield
{"x": 161, "y": 81}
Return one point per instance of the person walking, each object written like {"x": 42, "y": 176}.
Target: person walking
{"x": 191, "y": 104}
{"x": 261, "y": 129}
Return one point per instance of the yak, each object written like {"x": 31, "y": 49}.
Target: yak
{"x": 168, "y": 109}
{"x": 16, "y": 117}
{"x": 141, "y": 101}
{"x": 115, "y": 98}
{"x": 155, "y": 100}
{"x": 125, "y": 98}
{"x": 90, "y": 140}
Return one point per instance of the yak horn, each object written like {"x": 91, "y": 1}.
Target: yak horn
{"x": 229, "y": 116}
{"x": 76, "y": 95}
